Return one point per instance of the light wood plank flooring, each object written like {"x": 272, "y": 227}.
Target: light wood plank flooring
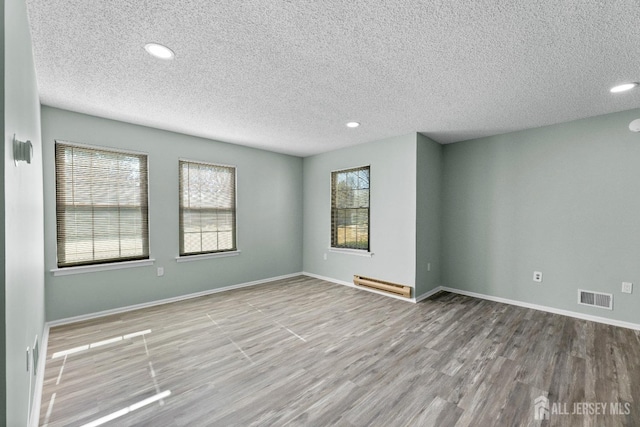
{"x": 307, "y": 352}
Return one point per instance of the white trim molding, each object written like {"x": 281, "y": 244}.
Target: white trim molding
{"x": 428, "y": 294}
{"x": 189, "y": 258}
{"x": 553, "y": 310}
{"x": 81, "y": 269}
{"x": 434, "y": 291}
{"x": 329, "y": 279}
{"x": 103, "y": 313}
{"x": 357, "y": 252}
{"x": 35, "y": 410}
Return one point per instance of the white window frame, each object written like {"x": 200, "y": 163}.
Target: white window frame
{"x": 217, "y": 254}
{"x": 106, "y": 265}
{"x": 349, "y": 251}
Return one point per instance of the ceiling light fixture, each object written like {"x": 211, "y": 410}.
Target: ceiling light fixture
{"x": 353, "y": 124}
{"x": 159, "y": 51}
{"x": 623, "y": 87}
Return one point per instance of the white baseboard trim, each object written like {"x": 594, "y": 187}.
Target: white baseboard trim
{"x": 34, "y": 416}
{"x": 538, "y": 307}
{"x": 351, "y": 285}
{"x": 329, "y": 279}
{"x": 428, "y": 294}
{"x": 119, "y": 310}
{"x": 544, "y": 308}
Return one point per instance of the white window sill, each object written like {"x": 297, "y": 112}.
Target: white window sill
{"x": 189, "y": 258}
{"x": 81, "y": 269}
{"x": 358, "y": 252}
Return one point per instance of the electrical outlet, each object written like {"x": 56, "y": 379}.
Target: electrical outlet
{"x": 325, "y": 256}
{"x": 627, "y": 287}
{"x": 160, "y": 271}
{"x": 537, "y": 276}
{"x": 428, "y": 266}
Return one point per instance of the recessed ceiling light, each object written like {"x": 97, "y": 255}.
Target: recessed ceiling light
{"x": 623, "y": 87}
{"x": 159, "y": 51}
{"x": 353, "y": 124}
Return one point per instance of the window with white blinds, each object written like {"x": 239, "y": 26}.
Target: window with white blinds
{"x": 101, "y": 205}
{"x": 350, "y": 208}
{"x": 207, "y": 208}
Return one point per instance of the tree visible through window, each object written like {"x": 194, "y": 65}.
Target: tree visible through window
{"x": 101, "y": 205}
{"x": 207, "y": 208}
{"x": 350, "y": 208}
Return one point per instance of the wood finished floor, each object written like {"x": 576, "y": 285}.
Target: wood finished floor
{"x": 307, "y": 352}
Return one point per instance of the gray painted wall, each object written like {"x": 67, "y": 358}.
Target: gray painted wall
{"x": 269, "y": 217}
{"x": 428, "y": 214}
{"x": 562, "y": 199}
{"x": 392, "y": 211}
{"x": 23, "y": 238}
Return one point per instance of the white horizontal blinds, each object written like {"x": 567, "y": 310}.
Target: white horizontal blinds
{"x": 101, "y": 205}
{"x": 350, "y": 208}
{"x": 207, "y": 208}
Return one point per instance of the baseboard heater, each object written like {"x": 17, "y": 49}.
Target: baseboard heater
{"x": 381, "y": 285}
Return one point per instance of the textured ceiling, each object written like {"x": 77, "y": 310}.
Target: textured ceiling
{"x": 286, "y": 75}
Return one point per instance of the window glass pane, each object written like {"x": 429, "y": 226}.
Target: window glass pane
{"x": 131, "y": 245}
{"x": 362, "y": 217}
{"x": 350, "y": 208}
{"x": 342, "y": 235}
{"x": 225, "y": 240}
{"x": 342, "y": 218}
{"x": 208, "y": 220}
{"x": 225, "y": 221}
{"x": 101, "y": 205}
{"x": 191, "y": 221}
{"x": 352, "y": 179}
{"x": 343, "y": 197}
{"x": 209, "y": 242}
{"x": 192, "y": 242}
{"x": 207, "y": 207}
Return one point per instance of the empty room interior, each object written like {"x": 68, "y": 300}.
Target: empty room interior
{"x": 396, "y": 213}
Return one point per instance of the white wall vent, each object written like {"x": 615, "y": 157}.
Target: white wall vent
{"x": 595, "y": 299}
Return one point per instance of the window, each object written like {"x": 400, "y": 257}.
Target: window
{"x": 350, "y": 208}
{"x": 207, "y": 208}
{"x": 101, "y": 205}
